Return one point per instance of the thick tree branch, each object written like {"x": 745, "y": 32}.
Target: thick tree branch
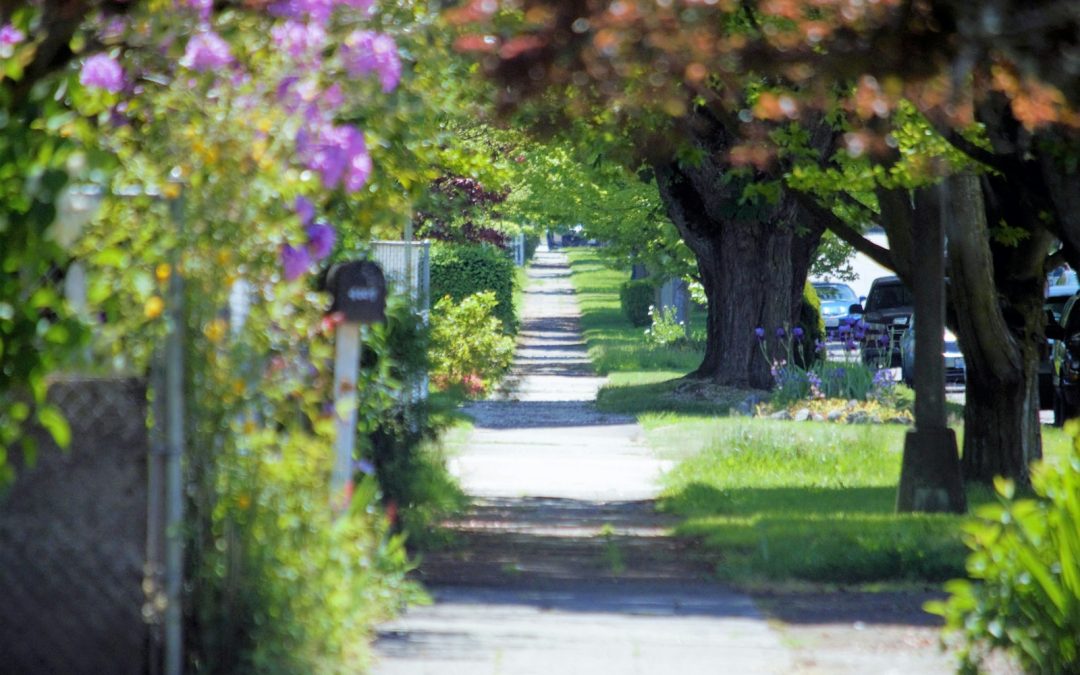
{"x": 979, "y": 154}
{"x": 837, "y": 226}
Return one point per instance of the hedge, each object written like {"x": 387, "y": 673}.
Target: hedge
{"x": 461, "y": 270}
{"x": 635, "y": 298}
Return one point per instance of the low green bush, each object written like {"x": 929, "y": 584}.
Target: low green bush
{"x": 461, "y": 270}
{"x": 811, "y": 321}
{"x": 1023, "y": 594}
{"x": 468, "y": 347}
{"x": 636, "y": 298}
{"x": 666, "y": 329}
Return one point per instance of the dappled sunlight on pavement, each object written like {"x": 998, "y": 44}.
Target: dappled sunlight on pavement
{"x": 564, "y": 565}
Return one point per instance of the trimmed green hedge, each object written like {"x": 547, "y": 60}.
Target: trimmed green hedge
{"x": 461, "y": 270}
{"x": 635, "y": 298}
{"x": 811, "y": 321}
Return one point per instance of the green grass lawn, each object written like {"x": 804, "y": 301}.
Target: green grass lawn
{"x": 771, "y": 502}
{"x": 614, "y": 345}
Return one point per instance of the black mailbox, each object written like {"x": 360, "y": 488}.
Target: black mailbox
{"x": 359, "y": 290}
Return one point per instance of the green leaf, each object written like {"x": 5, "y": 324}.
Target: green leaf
{"x": 54, "y": 422}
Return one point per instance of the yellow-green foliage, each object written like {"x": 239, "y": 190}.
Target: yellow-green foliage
{"x": 1023, "y": 594}
{"x": 468, "y": 345}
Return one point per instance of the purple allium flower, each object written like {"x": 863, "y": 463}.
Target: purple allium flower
{"x": 321, "y": 238}
{"x": 305, "y": 209}
{"x": 760, "y": 333}
{"x": 102, "y": 71}
{"x": 844, "y": 329}
{"x": 883, "y": 339}
{"x": 10, "y": 35}
{"x": 851, "y": 345}
{"x": 798, "y": 332}
{"x": 780, "y": 332}
{"x": 819, "y": 345}
{"x": 364, "y": 466}
{"x": 365, "y": 51}
{"x": 295, "y": 261}
{"x": 301, "y": 41}
{"x": 206, "y": 51}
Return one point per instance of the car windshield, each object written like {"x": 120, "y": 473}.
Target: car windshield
{"x": 887, "y": 296}
{"x": 835, "y": 293}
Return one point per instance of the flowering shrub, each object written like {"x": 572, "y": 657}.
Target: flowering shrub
{"x": 822, "y": 379}
{"x": 468, "y": 346}
{"x": 665, "y": 330}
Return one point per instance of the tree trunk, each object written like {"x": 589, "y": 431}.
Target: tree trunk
{"x": 753, "y": 263}
{"x": 999, "y": 321}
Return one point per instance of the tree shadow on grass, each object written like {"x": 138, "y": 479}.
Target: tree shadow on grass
{"x": 679, "y": 395}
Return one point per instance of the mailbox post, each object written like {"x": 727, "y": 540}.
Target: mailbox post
{"x": 359, "y": 291}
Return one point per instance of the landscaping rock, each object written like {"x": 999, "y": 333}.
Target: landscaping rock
{"x": 817, "y": 417}
{"x": 834, "y": 415}
{"x": 899, "y": 420}
{"x": 852, "y": 404}
{"x": 858, "y": 417}
{"x": 802, "y": 415}
{"x": 781, "y": 415}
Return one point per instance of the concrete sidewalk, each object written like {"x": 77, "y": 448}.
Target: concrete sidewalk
{"x": 564, "y": 566}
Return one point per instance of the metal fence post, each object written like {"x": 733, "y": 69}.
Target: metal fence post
{"x": 174, "y": 477}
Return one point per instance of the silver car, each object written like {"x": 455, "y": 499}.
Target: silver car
{"x": 955, "y": 371}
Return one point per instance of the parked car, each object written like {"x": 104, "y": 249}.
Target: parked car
{"x": 955, "y": 370}
{"x": 1065, "y": 364}
{"x": 836, "y": 301}
{"x": 1058, "y": 293}
{"x": 885, "y": 316}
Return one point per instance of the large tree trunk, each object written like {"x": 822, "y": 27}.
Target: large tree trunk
{"x": 999, "y": 322}
{"x": 753, "y": 257}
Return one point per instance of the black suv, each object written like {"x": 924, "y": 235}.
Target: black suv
{"x": 886, "y": 316}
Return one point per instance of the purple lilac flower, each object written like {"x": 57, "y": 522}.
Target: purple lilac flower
{"x": 201, "y": 7}
{"x": 331, "y": 99}
{"x": 206, "y": 51}
{"x": 798, "y": 332}
{"x": 10, "y": 35}
{"x": 362, "y": 5}
{"x": 338, "y": 154}
{"x": 365, "y": 51}
{"x": 102, "y": 71}
{"x": 305, "y": 209}
{"x": 295, "y": 261}
{"x": 321, "y": 238}
{"x": 760, "y": 333}
{"x": 316, "y": 10}
{"x": 301, "y": 41}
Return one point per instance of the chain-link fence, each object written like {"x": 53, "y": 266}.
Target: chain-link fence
{"x": 73, "y": 539}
